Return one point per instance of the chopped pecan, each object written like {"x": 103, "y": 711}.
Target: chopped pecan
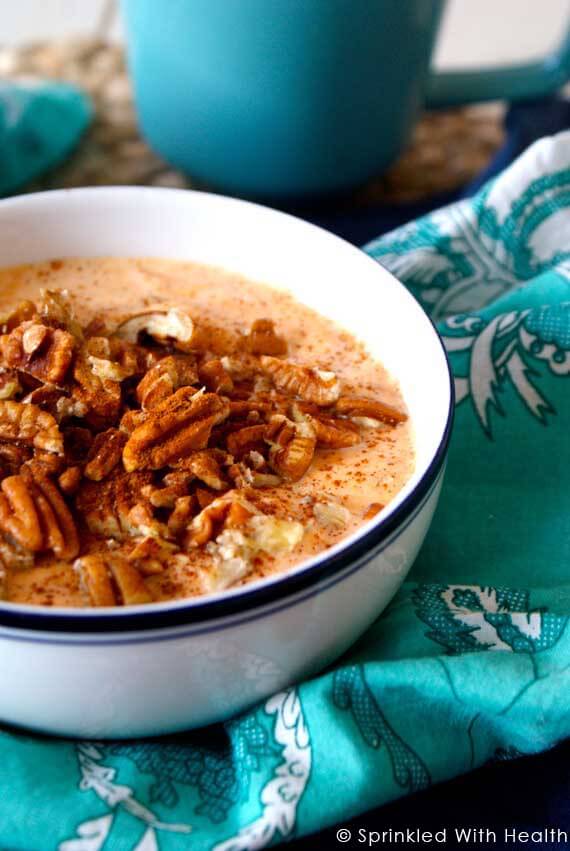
{"x": 356, "y": 407}
{"x": 204, "y": 497}
{"x": 96, "y": 579}
{"x": 9, "y": 384}
{"x": 30, "y": 425}
{"x": 132, "y": 420}
{"x": 105, "y": 453}
{"x": 246, "y": 477}
{"x": 34, "y": 513}
{"x": 23, "y": 312}
{"x": 69, "y": 480}
{"x": 246, "y": 439}
{"x": 331, "y": 433}
{"x": 12, "y": 457}
{"x": 292, "y": 447}
{"x": 164, "y": 326}
{"x": 215, "y": 377}
{"x": 46, "y": 353}
{"x": 262, "y": 339}
{"x": 56, "y": 311}
{"x": 242, "y": 408}
{"x": 226, "y": 512}
{"x": 180, "y": 424}
{"x": 241, "y": 366}
{"x": 105, "y": 506}
{"x": 101, "y": 397}
{"x": 204, "y": 465}
{"x": 151, "y": 554}
{"x": 110, "y": 579}
{"x": 166, "y": 376}
{"x": 312, "y": 385}
{"x": 182, "y": 514}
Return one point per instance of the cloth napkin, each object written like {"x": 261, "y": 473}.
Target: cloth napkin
{"x": 471, "y": 661}
{"x": 40, "y": 123}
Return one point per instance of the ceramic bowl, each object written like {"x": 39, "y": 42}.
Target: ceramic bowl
{"x": 159, "y": 668}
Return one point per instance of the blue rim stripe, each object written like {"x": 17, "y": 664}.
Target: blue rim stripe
{"x": 226, "y": 623}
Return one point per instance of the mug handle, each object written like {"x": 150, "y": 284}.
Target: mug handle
{"x": 451, "y": 88}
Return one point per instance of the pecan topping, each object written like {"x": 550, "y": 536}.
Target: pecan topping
{"x": 46, "y": 353}
{"x": 30, "y": 425}
{"x": 292, "y": 447}
{"x": 24, "y": 311}
{"x": 227, "y": 512}
{"x": 101, "y": 397}
{"x": 111, "y": 580}
{"x": 180, "y": 424}
{"x": 168, "y": 375}
{"x": 312, "y": 385}
{"x": 105, "y": 506}
{"x": 355, "y": 407}
{"x": 263, "y": 339}
{"x": 105, "y": 454}
{"x": 163, "y": 326}
{"x": 331, "y": 433}
{"x": 34, "y": 514}
{"x": 9, "y": 384}
{"x": 205, "y": 466}
{"x": 69, "y": 480}
{"x": 246, "y": 439}
{"x": 216, "y": 378}
{"x": 159, "y": 436}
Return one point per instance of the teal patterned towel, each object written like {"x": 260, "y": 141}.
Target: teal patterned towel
{"x": 470, "y": 663}
{"x": 40, "y": 123}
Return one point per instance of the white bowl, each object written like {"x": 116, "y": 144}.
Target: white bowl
{"x": 164, "y": 667}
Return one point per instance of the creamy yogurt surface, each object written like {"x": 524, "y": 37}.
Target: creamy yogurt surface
{"x": 356, "y": 481}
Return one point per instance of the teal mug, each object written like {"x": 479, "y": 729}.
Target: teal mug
{"x": 287, "y": 99}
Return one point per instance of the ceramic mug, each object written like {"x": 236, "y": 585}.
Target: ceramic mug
{"x": 292, "y": 98}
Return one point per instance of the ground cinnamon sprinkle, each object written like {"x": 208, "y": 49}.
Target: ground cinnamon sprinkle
{"x": 166, "y": 451}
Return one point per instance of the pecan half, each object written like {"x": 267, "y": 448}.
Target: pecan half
{"x": 168, "y": 375}
{"x": 263, "y": 340}
{"x": 55, "y": 310}
{"x": 105, "y": 506}
{"x": 105, "y": 454}
{"x": 180, "y": 424}
{"x": 30, "y": 425}
{"x": 312, "y": 385}
{"x": 46, "y": 353}
{"x": 34, "y": 513}
{"x": 292, "y": 447}
{"x": 356, "y": 407}
{"x": 111, "y": 579}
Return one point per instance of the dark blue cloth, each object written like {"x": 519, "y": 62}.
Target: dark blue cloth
{"x": 532, "y": 793}
{"x": 524, "y": 124}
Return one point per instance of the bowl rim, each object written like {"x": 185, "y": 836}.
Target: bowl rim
{"x": 263, "y": 593}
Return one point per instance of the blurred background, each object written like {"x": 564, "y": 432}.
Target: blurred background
{"x": 82, "y": 43}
